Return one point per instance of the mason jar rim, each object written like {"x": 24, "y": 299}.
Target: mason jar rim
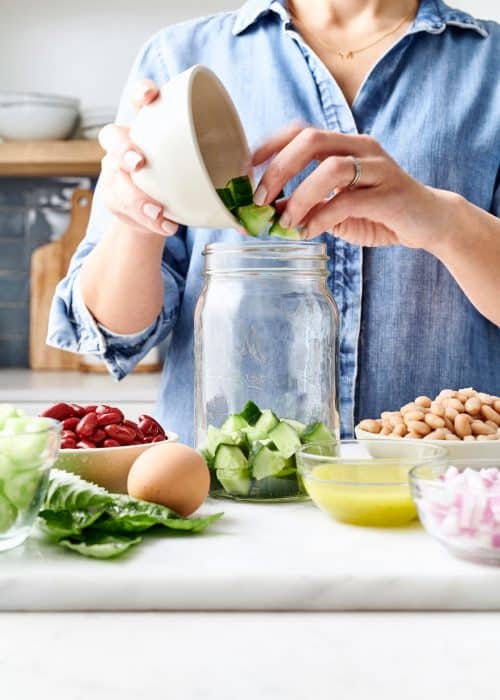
{"x": 309, "y": 249}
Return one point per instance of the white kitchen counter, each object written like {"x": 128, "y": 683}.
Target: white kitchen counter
{"x": 257, "y": 557}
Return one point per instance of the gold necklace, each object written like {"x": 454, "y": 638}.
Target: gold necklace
{"x": 350, "y": 54}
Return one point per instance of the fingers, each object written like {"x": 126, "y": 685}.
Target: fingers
{"x": 130, "y": 204}
{"x": 358, "y": 203}
{"x": 277, "y": 142}
{"x": 145, "y": 92}
{"x": 115, "y": 141}
{"x": 333, "y": 174}
{"x": 308, "y": 145}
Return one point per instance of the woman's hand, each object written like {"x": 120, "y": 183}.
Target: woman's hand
{"x": 387, "y": 206}
{"x": 129, "y": 204}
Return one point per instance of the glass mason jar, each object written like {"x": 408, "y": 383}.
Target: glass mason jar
{"x": 266, "y": 331}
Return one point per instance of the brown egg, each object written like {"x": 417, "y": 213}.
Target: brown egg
{"x": 171, "y": 474}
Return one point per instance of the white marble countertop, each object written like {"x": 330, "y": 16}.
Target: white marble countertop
{"x": 24, "y": 385}
{"x": 257, "y": 557}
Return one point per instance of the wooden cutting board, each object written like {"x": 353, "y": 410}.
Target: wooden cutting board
{"x": 49, "y": 264}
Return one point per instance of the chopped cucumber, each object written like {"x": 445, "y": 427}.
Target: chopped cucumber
{"x": 234, "y": 423}
{"x": 253, "y": 434}
{"x": 285, "y": 438}
{"x": 267, "y": 462}
{"x": 251, "y": 413}
{"x": 235, "y": 483}
{"x": 296, "y": 425}
{"x": 255, "y": 218}
{"x": 241, "y": 190}
{"x": 22, "y": 488}
{"x": 267, "y": 421}
{"x": 316, "y": 432}
{"x": 290, "y": 234}
{"x": 209, "y": 459}
{"x": 8, "y": 513}
{"x": 230, "y": 458}
{"x": 227, "y": 198}
{"x": 216, "y": 437}
{"x": 275, "y": 487}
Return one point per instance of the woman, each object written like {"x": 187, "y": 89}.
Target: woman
{"x": 403, "y": 107}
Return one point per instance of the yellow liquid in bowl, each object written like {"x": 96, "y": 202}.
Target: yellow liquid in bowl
{"x": 372, "y": 495}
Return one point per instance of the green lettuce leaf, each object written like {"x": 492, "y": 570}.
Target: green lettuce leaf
{"x": 68, "y": 492}
{"x": 100, "y": 545}
{"x": 64, "y": 523}
{"x": 126, "y": 514}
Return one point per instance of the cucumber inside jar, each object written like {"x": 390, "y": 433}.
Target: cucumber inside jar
{"x": 252, "y": 456}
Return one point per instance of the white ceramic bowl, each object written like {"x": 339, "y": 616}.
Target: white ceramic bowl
{"x": 106, "y": 466}
{"x": 194, "y": 142}
{"x": 456, "y": 449}
{"x": 36, "y": 117}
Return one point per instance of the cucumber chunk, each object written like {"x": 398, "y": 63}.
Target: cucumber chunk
{"x": 216, "y": 437}
{"x": 235, "y": 483}
{"x": 290, "y": 234}
{"x": 285, "y": 438}
{"x": 267, "y": 462}
{"x": 251, "y": 413}
{"x": 241, "y": 190}
{"x": 8, "y": 513}
{"x": 234, "y": 423}
{"x": 253, "y": 434}
{"x": 230, "y": 458}
{"x": 296, "y": 425}
{"x": 22, "y": 488}
{"x": 255, "y": 218}
{"x": 318, "y": 432}
{"x": 227, "y": 198}
{"x": 267, "y": 421}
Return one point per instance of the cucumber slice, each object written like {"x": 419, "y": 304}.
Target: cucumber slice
{"x": 267, "y": 421}
{"x": 234, "y": 423}
{"x": 216, "y": 437}
{"x": 319, "y": 432}
{"x": 285, "y": 438}
{"x": 253, "y": 435}
{"x": 230, "y": 458}
{"x": 235, "y": 483}
{"x": 251, "y": 413}
{"x": 290, "y": 234}
{"x": 296, "y": 425}
{"x": 227, "y": 198}
{"x": 255, "y": 218}
{"x": 268, "y": 462}
{"x": 241, "y": 190}
{"x": 22, "y": 488}
{"x": 8, "y": 513}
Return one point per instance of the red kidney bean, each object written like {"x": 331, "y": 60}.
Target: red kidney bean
{"x": 98, "y": 436}
{"x": 122, "y": 433}
{"x": 70, "y": 423}
{"x": 87, "y": 425}
{"x": 85, "y": 444}
{"x": 137, "y": 442}
{"x": 111, "y": 443}
{"x": 114, "y": 416}
{"x": 90, "y": 409}
{"x": 69, "y": 434}
{"x": 139, "y": 435}
{"x": 149, "y": 439}
{"x": 159, "y": 438}
{"x": 59, "y": 411}
{"x": 130, "y": 424}
{"x": 68, "y": 443}
{"x": 103, "y": 408}
{"x": 154, "y": 427}
{"x": 78, "y": 411}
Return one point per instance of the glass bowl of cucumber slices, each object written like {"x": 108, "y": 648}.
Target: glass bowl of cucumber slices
{"x": 28, "y": 448}
{"x": 251, "y": 456}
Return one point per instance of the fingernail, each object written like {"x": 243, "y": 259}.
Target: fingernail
{"x": 169, "y": 227}
{"x": 260, "y": 195}
{"x": 285, "y": 220}
{"x": 152, "y": 211}
{"x": 132, "y": 159}
{"x": 141, "y": 92}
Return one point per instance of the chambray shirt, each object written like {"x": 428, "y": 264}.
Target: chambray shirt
{"x": 433, "y": 102}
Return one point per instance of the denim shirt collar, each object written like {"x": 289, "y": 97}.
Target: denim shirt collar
{"x": 433, "y": 16}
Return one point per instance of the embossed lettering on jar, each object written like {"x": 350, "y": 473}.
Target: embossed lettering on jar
{"x": 266, "y": 330}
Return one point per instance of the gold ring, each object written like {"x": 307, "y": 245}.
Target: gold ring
{"x": 357, "y": 172}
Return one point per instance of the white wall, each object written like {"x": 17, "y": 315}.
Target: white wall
{"x": 85, "y": 47}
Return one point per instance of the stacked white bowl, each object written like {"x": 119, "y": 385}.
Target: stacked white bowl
{"x": 32, "y": 116}
{"x": 93, "y": 119}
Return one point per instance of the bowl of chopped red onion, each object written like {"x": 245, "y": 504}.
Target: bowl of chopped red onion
{"x": 459, "y": 506}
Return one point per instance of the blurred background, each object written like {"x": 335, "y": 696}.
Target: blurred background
{"x": 86, "y": 49}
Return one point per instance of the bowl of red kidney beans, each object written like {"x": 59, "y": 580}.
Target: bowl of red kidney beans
{"x": 100, "y": 444}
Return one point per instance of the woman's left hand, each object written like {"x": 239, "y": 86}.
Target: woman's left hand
{"x": 386, "y": 207}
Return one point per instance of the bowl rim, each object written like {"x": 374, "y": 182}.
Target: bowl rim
{"x": 475, "y": 464}
{"x": 365, "y": 435}
{"x": 172, "y": 437}
{"x": 363, "y": 461}
{"x": 38, "y": 97}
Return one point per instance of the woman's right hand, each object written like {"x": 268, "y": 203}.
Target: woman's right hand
{"x": 130, "y": 205}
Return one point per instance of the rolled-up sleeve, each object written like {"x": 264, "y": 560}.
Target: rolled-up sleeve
{"x": 71, "y": 325}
